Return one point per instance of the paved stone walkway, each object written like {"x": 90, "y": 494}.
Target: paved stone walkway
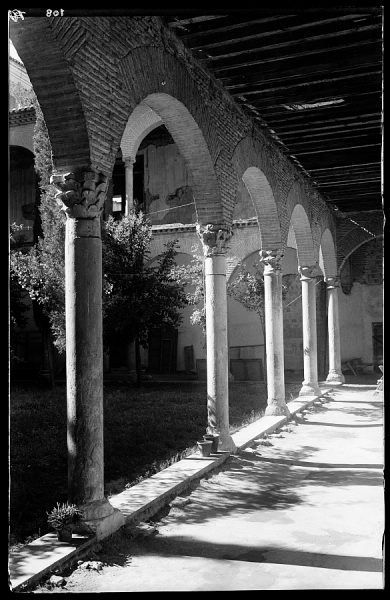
{"x": 302, "y": 509}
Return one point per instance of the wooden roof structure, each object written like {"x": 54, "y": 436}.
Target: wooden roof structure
{"x": 313, "y": 78}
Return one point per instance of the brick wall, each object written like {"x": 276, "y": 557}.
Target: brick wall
{"x": 91, "y": 73}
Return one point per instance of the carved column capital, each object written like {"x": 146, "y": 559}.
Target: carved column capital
{"x": 214, "y": 238}
{"x": 81, "y": 193}
{"x": 307, "y": 273}
{"x": 271, "y": 260}
{"x": 129, "y": 161}
{"x": 332, "y": 282}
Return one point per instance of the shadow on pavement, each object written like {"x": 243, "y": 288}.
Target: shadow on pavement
{"x": 182, "y": 546}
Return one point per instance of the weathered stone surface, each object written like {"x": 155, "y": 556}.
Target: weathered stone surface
{"x": 57, "y": 581}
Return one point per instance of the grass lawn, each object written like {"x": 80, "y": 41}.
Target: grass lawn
{"x": 145, "y": 430}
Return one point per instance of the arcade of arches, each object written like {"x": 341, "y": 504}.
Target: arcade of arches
{"x": 168, "y": 139}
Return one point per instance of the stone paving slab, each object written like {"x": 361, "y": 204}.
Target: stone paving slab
{"x": 141, "y": 501}
{"x": 44, "y": 555}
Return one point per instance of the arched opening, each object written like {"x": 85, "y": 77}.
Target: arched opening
{"x": 301, "y": 236}
{"x": 361, "y": 303}
{"x": 264, "y": 206}
{"x": 247, "y": 357}
{"x": 24, "y": 193}
{"x": 327, "y": 255}
{"x": 162, "y": 121}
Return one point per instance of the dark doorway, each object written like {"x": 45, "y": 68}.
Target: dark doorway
{"x": 138, "y": 183}
{"x": 377, "y": 344}
{"x": 162, "y": 350}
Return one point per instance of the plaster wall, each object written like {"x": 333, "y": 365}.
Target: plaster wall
{"x": 358, "y": 310}
{"x": 167, "y": 184}
{"x": 22, "y": 136}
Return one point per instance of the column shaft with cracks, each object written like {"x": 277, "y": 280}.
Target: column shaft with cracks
{"x": 214, "y": 240}
{"x": 129, "y": 165}
{"x": 335, "y": 374}
{"x": 82, "y": 195}
{"x": 273, "y": 316}
{"x": 309, "y": 329}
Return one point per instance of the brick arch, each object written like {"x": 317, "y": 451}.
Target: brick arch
{"x": 168, "y": 88}
{"x": 356, "y": 247}
{"x": 302, "y": 236}
{"x": 191, "y": 144}
{"x": 141, "y": 122}
{"x": 327, "y": 255}
{"x": 53, "y": 83}
{"x": 243, "y": 243}
{"x": 264, "y": 203}
{"x": 352, "y": 234}
{"x": 253, "y": 166}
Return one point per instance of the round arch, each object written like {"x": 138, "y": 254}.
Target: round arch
{"x": 160, "y": 108}
{"x": 141, "y": 122}
{"x": 301, "y": 237}
{"x": 254, "y": 168}
{"x": 366, "y": 241}
{"x": 327, "y": 255}
{"x": 57, "y": 93}
{"x": 264, "y": 204}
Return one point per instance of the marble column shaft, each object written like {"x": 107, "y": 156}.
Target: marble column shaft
{"x": 273, "y": 317}
{"x": 309, "y": 330}
{"x": 82, "y": 195}
{"x": 214, "y": 240}
{"x": 129, "y": 178}
{"x": 335, "y": 374}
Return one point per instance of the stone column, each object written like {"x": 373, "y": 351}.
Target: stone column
{"x": 309, "y": 327}
{"x": 129, "y": 163}
{"x": 214, "y": 240}
{"x": 335, "y": 374}
{"x": 82, "y": 195}
{"x": 273, "y": 317}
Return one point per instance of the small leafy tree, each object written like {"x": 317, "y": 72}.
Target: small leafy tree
{"x": 192, "y": 277}
{"x": 17, "y": 298}
{"x": 136, "y": 297}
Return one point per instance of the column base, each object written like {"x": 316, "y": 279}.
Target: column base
{"x": 100, "y": 518}
{"x": 277, "y": 408}
{"x": 226, "y": 443}
{"x": 310, "y": 389}
{"x": 335, "y": 377}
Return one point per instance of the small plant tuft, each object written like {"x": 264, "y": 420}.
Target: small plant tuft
{"x": 63, "y": 515}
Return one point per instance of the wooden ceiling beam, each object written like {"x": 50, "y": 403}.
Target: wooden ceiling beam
{"x": 350, "y": 182}
{"x": 311, "y": 84}
{"x": 340, "y": 149}
{"x": 356, "y": 165}
{"x": 329, "y": 140}
{"x": 219, "y": 42}
{"x": 277, "y": 57}
{"x": 334, "y": 133}
{"x": 351, "y": 102}
{"x": 347, "y": 176}
{"x": 355, "y": 121}
{"x": 370, "y": 102}
{"x": 300, "y": 43}
{"x": 178, "y": 23}
{"x": 232, "y": 27}
{"x": 309, "y": 96}
{"x": 302, "y": 67}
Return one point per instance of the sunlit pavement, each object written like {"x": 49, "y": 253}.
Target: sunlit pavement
{"x": 302, "y": 509}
